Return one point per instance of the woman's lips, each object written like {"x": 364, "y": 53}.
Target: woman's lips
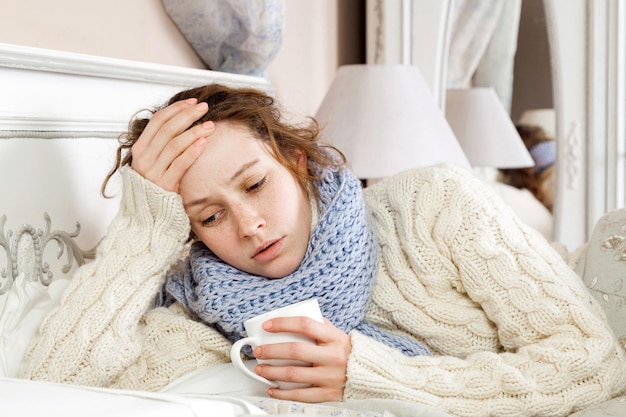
{"x": 269, "y": 252}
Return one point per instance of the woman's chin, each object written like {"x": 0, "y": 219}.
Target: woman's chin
{"x": 280, "y": 270}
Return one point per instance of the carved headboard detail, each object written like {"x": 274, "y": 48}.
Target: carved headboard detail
{"x": 25, "y": 248}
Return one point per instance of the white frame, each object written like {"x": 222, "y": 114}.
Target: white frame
{"x": 587, "y": 44}
{"x": 588, "y": 49}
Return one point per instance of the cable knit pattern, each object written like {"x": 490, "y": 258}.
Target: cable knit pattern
{"x": 338, "y": 269}
{"x": 97, "y": 335}
{"x": 513, "y": 329}
{"x": 517, "y": 332}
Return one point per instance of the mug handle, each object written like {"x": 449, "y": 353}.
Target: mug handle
{"x": 235, "y": 358}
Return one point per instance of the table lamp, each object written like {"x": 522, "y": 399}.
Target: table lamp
{"x": 385, "y": 120}
{"x": 485, "y": 130}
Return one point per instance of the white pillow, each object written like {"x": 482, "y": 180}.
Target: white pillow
{"x": 22, "y": 310}
{"x": 222, "y": 379}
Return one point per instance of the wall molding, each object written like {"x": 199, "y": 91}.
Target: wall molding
{"x": 54, "y": 90}
{"x": 48, "y": 60}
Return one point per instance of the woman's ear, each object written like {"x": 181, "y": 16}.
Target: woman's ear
{"x": 301, "y": 161}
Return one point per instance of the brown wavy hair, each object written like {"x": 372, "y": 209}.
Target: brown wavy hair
{"x": 253, "y": 109}
{"x": 540, "y": 183}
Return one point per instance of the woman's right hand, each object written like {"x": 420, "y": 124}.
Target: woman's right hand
{"x": 168, "y": 146}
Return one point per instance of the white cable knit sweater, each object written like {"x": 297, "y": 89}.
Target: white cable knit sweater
{"x": 513, "y": 330}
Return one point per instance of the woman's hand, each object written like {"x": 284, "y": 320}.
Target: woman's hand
{"x": 329, "y": 357}
{"x": 168, "y": 146}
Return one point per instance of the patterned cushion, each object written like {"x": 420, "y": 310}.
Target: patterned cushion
{"x": 236, "y": 36}
{"x": 603, "y": 269}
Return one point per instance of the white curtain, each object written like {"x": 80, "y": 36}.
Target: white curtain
{"x": 483, "y": 44}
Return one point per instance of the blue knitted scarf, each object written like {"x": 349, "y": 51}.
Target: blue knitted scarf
{"x": 338, "y": 269}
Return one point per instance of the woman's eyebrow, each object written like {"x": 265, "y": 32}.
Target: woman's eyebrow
{"x": 237, "y": 174}
{"x": 243, "y": 169}
{"x": 195, "y": 202}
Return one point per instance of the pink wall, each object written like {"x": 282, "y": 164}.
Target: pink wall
{"x": 141, "y": 30}
{"x": 138, "y": 30}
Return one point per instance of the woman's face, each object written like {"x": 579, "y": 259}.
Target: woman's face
{"x": 245, "y": 206}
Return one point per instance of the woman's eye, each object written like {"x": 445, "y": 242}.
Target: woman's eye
{"x": 211, "y": 220}
{"x": 256, "y": 186}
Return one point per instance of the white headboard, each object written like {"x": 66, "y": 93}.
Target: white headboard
{"x": 60, "y": 116}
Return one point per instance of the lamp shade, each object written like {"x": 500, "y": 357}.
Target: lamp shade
{"x": 385, "y": 120}
{"x": 485, "y": 130}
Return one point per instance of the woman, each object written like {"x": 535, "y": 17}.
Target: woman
{"x": 433, "y": 291}
{"x": 539, "y": 179}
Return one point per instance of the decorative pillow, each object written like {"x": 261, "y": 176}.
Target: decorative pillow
{"x": 237, "y": 36}
{"x": 25, "y": 306}
{"x": 603, "y": 269}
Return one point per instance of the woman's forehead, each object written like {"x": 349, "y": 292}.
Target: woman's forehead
{"x": 230, "y": 151}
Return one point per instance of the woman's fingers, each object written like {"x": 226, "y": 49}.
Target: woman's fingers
{"x": 165, "y": 125}
{"x": 320, "y": 374}
{"x": 328, "y": 359}
{"x": 158, "y": 120}
{"x": 328, "y": 362}
{"x": 313, "y": 329}
{"x": 335, "y": 343}
{"x": 178, "y": 155}
{"x": 327, "y": 381}
{"x": 168, "y": 146}
{"x": 170, "y": 179}
{"x": 306, "y": 395}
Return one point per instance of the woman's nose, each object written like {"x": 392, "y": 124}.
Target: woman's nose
{"x": 249, "y": 220}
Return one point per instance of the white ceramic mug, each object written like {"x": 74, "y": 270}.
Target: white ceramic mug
{"x": 257, "y": 337}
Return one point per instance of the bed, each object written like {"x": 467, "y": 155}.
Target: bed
{"x": 60, "y": 116}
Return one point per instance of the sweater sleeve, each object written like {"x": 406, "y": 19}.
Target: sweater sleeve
{"x": 552, "y": 351}
{"x": 104, "y": 332}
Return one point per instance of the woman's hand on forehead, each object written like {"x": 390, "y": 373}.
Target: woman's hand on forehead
{"x": 168, "y": 146}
